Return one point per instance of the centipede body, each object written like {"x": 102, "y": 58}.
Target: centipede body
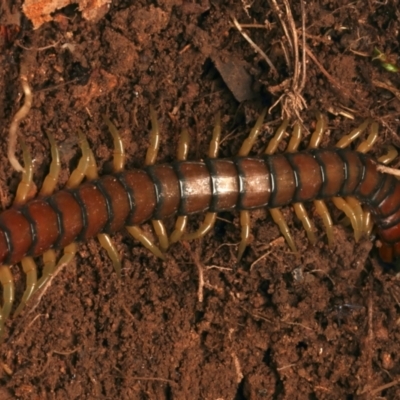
{"x": 128, "y": 198}
{"x": 215, "y": 185}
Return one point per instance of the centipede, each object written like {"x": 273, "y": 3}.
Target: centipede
{"x": 90, "y": 206}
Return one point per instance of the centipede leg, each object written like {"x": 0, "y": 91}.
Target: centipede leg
{"x": 6, "y": 281}
{"x": 210, "y": 217}
{"x": 278, "y": 218}
{"x": 79, "y": 172}
{"x": 276, "y": 214}
{"x": 29, "y": 267}
{"x": 139, "y": 235}
{"x": 25, "y": 187}
{"x": 119, "y": 151}
{"x": 50, "y": 264}
{"x": 320, "y": 205}
{"x": 107, "y": 244}
{"x": 323, "y": 212}
{"x": 204, "y": 228}
{"x": 50, "y": 181}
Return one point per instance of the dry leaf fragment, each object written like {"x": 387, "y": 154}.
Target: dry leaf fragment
{"x": 39, "y": 11}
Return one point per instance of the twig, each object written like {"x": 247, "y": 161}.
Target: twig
{"x": 239, "y": 373}
{"x": 255, "y": 47}
{"x": 387, "y": 170}
{"x": 259, "y": 259}
{"x": 384, "y": 387}
{"x": 18, "y": 43}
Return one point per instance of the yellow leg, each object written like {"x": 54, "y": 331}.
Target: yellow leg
{"x": 367, "y": 144}
{"x": 245, "y": 232}
{"x": 323, "y": 212}
{"x": 8, "y": 296}
{"x": 354, "y": 134}
{"x": 51, "y": 179}
{"x": 280, "y": 221}
{"x": 79, "y": 173}
{"x": 30, "y": 269}
{"x": 204, "y": 228}
{"x": 180, "y": 226}
{"x": 317, "y": 135}
{"x": 295, "y": 139}
{"x": 389, "y": 156}
{"x": 308, "y": 226}
{"x": 161, "y": 233}
{"x": 50, "y": 265}
{"x": 112, "y": 252}
{"x": 49, "y": 261}
{"x": 279, "y": 134}
{"x": 342, "y": 205}
{"x": 25, "y": 186}
{"x": 152, "y": 151}
{"x": 119, "y": 152}
{"x": 248, "y": 143}
{"x": 139, "y": 235}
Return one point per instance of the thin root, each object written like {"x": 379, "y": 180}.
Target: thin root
{"x": 18, "y": 117}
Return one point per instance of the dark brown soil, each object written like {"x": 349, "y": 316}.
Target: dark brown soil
{"x": 323, "y": 324}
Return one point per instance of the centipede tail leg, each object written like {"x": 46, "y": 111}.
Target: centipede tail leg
{"x": 76, "y": 177}
{"x": 320, "y": 205}
{"x": 135, "y": 231}
{"x": 276, "y": 213}
{"x": 210, "y": 217}
{"x": 299, "y": 208}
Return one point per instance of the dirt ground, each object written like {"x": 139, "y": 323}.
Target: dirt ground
{"x": 321, "y": 324}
